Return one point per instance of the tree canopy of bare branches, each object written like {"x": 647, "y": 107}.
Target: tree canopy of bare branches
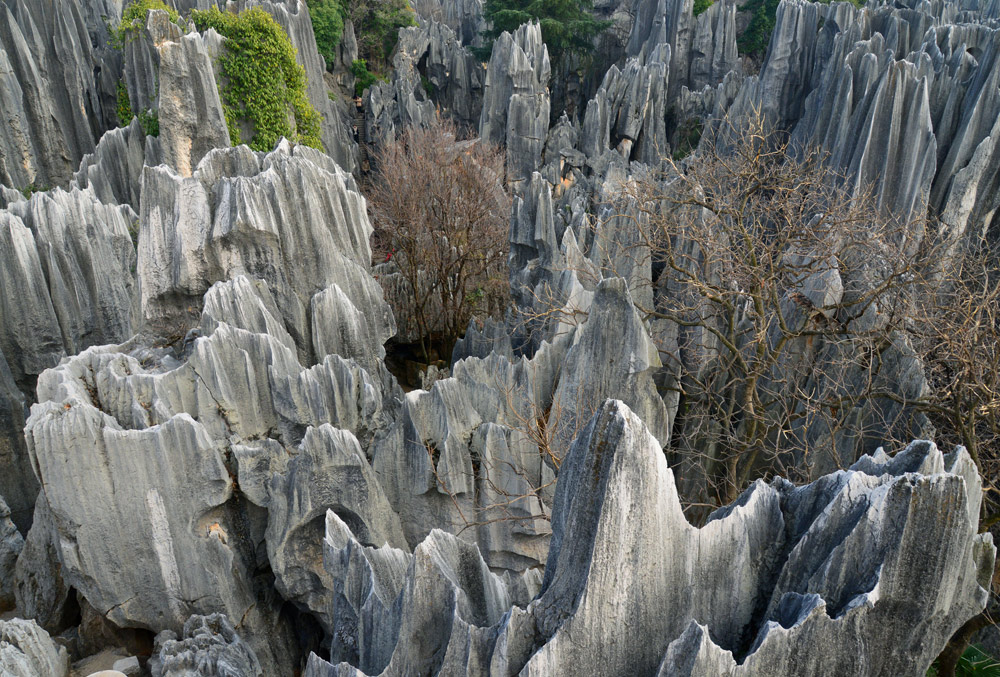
{"x": 441, "y": 214}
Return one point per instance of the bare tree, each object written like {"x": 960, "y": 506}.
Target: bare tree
{"x": 779, "y": 300}
{"x": 441, "y": 215}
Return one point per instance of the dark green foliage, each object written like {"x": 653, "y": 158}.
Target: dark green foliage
{"x": 264, "y": 85}
{"x": 701, "y": 5}
{"x": 567, "y": 25}
{"x": 31, "y": 189}
{"x": 328, "y": 25}
{"x": 134, "y": 20}
{"x": 150, "y": 122}
{"x": 363, "y": 78}
{"x": 427, "y": 85}
{"x": 124, "y": 107}
{"x": 974, "y": 663}
{"x": 376, "y": 25}
{"x": 757, "y": 35}
{"x": 688, "y": 136}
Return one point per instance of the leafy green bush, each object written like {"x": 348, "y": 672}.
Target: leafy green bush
{"x": 134, "y": 20}
{"x": 150, "y": 121}
{"x": 701, "y": 5}
{"x": 263, "y": 84}
{"x": 688, "y": 137}
{"x": 974, "y": 662}
{"x": 376, "y": 25}
{"x": 328, "y": 25}
{"x": 363, "y": 78}
{"x": 567, "y": 25}
{"x": 124, "y": 106}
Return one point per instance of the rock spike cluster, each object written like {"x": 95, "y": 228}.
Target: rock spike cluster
{"x": 203, "y": 447}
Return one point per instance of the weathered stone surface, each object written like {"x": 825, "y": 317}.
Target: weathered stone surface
{"x": 425, "y": 613}
{"x": 291, "y": 217}
{"x": 464, "y": 17}
{"x": 11, "y": 544}
{"x": 208, "y": 647}
{"x": 428, "y": 52}
{"x": 114, "y": 170}
{"x": 41, "y": 593}
{"x": 628, "y": 113}
{"x": 55, "y": 99}
{"x": 859, "y": 555}
{"x": 67, "y": 278}
{"x": 516, "y": 100}
{"x": 190, "y": 112}
{"x": 27, "y": 651}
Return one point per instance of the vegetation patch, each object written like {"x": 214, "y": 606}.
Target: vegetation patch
{"x": 568, "y": 26}
{"x": 376, "y": 25}
{"x": 363, "y": 78}
{"x": 124, "y": 105}
{"x": 262, "y": 84}
{"x": 701, "y": 5}
{"x": 134, "y": 20}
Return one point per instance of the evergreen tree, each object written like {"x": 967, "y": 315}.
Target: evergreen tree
{"x": 567, "y": 25}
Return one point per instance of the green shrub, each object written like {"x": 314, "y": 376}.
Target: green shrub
{"x": 363, "y": 78}
{"x": 263, "y": 84}
{"x": 688, "y": 136}
{"x": 974, "y": 662}
{"x": 124, "y": 108}
{"x": 701, "y": 5}
{"x": 328, "y": 25}
{"x": 376, "y": 25}
{"x": 150, "y": 121}
{"x": 134, "y": 20}
{"x": 567, "y": 25}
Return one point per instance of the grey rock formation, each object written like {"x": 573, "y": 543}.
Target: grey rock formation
{"x": 426, "y": 53}
{"x": 464, "y": 17}
{"x": 114, "y": 170}
{"x": 11, "y": 544}
{"x": 17, "y": 483}
{"x": 516, "y": 100}
{"x": 41, "y": 593}
{"x": 208, "y": 647}
{"x": 27, "y": 651}
{"x": 425, "y": 613}
{"x": 291, "y": 217}
{"x": 54, "y": 243}
{"x": 628, "y": 113}
{"x": 769, "y": 578}
{"x": 190, "y": 112}
{"x": 55, "y": 103}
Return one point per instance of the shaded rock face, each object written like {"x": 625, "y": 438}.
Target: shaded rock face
{"x": 58, "y": 93}
{"x": 428, "y": 56}
{"x": 463, "y": 17}
{"x": 11, "y": 544}
{"x": 841, "y": 557}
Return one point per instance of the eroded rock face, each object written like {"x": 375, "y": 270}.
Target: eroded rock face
{"x": 291, "y": 217}
{"x": 27, "y": 651}
{"x": 208, "y": 646}
{"x": 55, "y": 104}
{"x": 855, "y": 555}
{"x": 11, "y": 544}
{"x": 516, "y": 100}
